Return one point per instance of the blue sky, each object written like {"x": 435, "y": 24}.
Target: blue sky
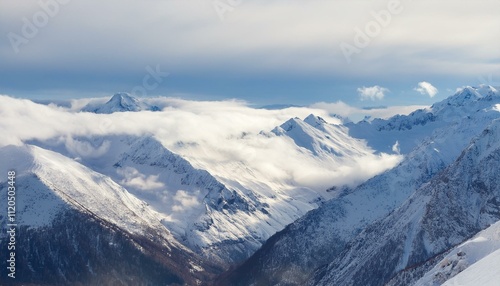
{"x": 263, "y": 52}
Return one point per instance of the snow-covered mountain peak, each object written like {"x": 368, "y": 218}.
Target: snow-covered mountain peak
{"x": 289, "y": 125}
{"x": 124, "y": 99}
{"x": 299, "y": 124}
{"x": 321, "y": 138}
{"x": 464, "y": 96}
{"x": 487, "y": 90}
{"x": 473, "y": 106}
{"x": 56, "y": 181}
{"x": 120, "y": 102}
{"x": 314, "y": 120}
{"x": 466, "y": 99}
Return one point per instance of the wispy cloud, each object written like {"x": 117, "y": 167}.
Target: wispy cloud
{"x": 133, "y": 178}
{"x": 372, "y": 93}
{"x": 426, "y": 88}
{"x": 184, "y": 201}
{"x": 84, "y": 149}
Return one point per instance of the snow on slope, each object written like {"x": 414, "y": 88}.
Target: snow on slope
{"x": 409, "y": 131}
{"x": 228, "y": 212}
{"x": 37, "y": 205}
{"x": 319, "y": 237}
{"x": 226, "y": 223}
{"x": 260, "y": 195}
{"x": 322, "y": 139}
{"x": 199, "y": 210}
{"x": 453, "y": 206}
{"x": 53, "y": 192}
{"x": 59, "y": 181}
{"x": 222, "y": 188}
{"x": 484, "y": 272}
{"x": 305, "y": 159}
{"x": 467, "y": 257}
{"x": 315, "y": 142}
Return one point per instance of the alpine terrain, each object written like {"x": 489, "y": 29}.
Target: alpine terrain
{"x": 395, "y": 227}
{"x": 161, "y": 191}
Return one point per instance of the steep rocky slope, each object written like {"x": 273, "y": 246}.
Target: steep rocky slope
{"x": 293, "y": 255}
{"x": 76, "y": 226}
{"x": 453, "y": 206}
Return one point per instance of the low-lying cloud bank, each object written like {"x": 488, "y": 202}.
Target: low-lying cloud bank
{"x": 220, "y": 136}
{"x": 354, "y": 113}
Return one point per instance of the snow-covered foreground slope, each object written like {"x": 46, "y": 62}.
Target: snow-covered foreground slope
{"x": 452, "y": 207}
{"x": 484, "y": 272}
{"x": 56, "y": 195}
{"x": 318, "y": 238}
{"x": 471, "y": 257}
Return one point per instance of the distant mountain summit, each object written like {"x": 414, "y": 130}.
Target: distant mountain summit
{"x": 120, "y": 102}
{"x": 322, "y": 139}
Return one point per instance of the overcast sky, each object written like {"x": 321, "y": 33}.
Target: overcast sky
{"x": 365, "y": 53}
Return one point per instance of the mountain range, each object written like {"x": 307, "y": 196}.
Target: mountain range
{"x": 124, "y": 208}
{"x": 367, "y": 235}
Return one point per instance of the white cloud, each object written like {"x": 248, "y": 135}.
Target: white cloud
{"x": 133, "y": 178}
{"x": 426, "y": 89}
{"x": 372, "y": 93}
{"x": 354, "y": 113}
{"x": 85, "y": 149}
{"x": 219, "y": 136}
{"x": 395, "y": 148}
{"x": 184, "y": 201}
